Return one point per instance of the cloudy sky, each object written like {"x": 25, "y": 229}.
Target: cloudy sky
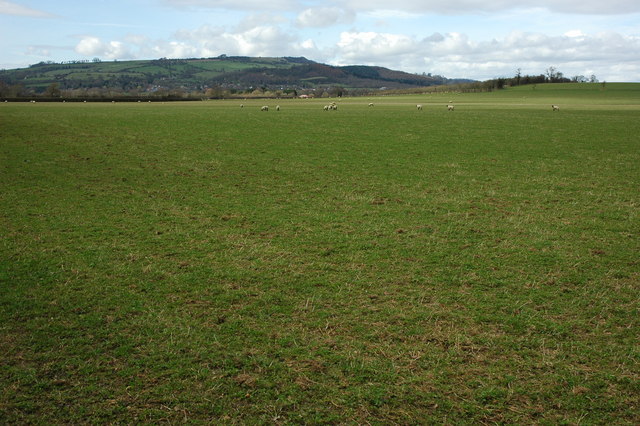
{"x": 478, "y": 39}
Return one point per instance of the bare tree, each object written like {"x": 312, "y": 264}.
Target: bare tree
{"x": 53, "y": 91}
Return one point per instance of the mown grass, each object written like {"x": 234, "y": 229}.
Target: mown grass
{"x": 203, "y": 262}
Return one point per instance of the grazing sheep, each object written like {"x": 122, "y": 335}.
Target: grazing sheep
{"x": 450, "y": 107}
{"x": 264, "y": 108}
{"x": 326, "y": 107}
{"x": 277, "y": 107}
{"x": 419, "y": 107}
{"x": 555, "y": 108}
{"x": 241, "y": 105}
{"x": 370, "y": 104}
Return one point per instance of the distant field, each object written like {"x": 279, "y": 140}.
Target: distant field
{"x": 202, "y": 262}
{"x": 570, "y": 94}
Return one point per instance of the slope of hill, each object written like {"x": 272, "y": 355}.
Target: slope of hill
{"x": 231, "y": 73}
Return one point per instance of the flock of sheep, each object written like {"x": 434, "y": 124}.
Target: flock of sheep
{"x": 334, "y": 106}
{"x": 331, "y": 106}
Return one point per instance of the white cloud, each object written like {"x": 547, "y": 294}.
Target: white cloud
{"x": 93, "y": 46}
{"x": 456, "y": 55}
{"x": 486, "y": 6}
{"x": 203, "y": 33}
{"x": 89, "y": 46}
{"x": 356, "y": 47}
{"x": 324, "y": 17}
{"x": 14, "y": 9}
{"x": 253, "y": 5}
{"x": 261, "y": 41}
{"x": 265, "y": 40}
{"x": 136, "y": 39}
{"x": 174, "y": 49}
{"x": 38, "y": 51}
{"x": 575, "y": 34}
{"x": 422, "y": 6}
{"x": 308, "y": 45}
{"x": 256, "y": 20}
{"x": 391, "y": 14}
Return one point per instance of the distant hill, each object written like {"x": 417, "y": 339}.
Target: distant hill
{"x": 230, "y": 74}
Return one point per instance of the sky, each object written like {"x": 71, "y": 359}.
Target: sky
{"x": 475, "y": 39}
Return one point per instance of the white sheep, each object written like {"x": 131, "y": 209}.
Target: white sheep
{"x": 277, "y": 107}
{"x": 419, "y": 107}
{"x": 555, "y": 108}
{"x": 326, "y": 107}
{"x": 370, "y": 104}
{"x": 450, "y": 107}
{"x": 241, "y": 105}
{"x": 264, "y": 108}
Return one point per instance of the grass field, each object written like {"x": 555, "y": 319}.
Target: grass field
{"x": 206, "y": 263}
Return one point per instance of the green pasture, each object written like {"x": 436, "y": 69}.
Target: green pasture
{"x": 597, "y": 95}
{"x": 210, "y": 263}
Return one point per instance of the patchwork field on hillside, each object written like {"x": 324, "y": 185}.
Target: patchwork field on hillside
{"x": 206, "y": 262}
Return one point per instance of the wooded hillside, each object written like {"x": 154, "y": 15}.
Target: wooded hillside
{"x": 189, "y": 77}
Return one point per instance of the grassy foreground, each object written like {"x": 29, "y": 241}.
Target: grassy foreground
{"x": 206, "y": 263}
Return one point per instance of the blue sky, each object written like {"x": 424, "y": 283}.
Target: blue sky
{"x": 478, "y": 39}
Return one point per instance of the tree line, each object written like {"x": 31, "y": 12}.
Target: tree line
{"x": 551, "y": 75}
